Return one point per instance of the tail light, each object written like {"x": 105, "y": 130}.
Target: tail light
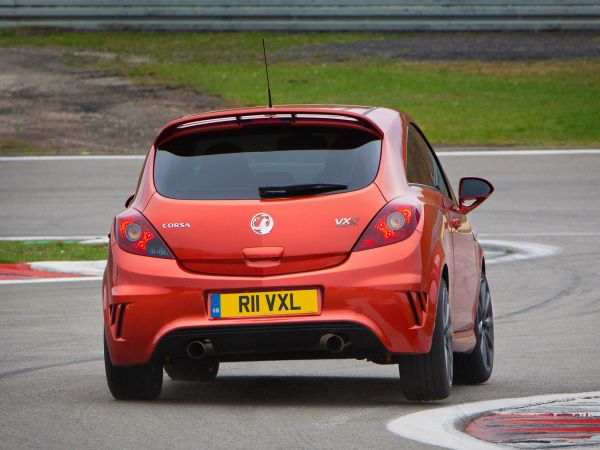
{"x": 394, "y": 223}
{"x": 136, "y": 235}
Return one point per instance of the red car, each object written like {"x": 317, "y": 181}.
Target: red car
{"x": 300, "y": 232}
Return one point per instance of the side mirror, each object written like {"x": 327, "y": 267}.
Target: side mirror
{"x": 473, "y": 192}
{"x": 129, "y": 200}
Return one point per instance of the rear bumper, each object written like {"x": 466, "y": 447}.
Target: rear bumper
{"x": 272, "y": 342}
{"x": 153, "y": 308}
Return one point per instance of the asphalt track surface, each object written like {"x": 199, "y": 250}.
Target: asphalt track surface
{"x": 52, "y": 386}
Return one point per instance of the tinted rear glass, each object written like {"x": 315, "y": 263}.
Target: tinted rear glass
{"x": 233, "y": 164}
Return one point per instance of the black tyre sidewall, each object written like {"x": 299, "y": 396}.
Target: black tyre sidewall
{"x": 425, "y": 377}
{"x": 470, "y": 367}
{"x": 142, "y": 382}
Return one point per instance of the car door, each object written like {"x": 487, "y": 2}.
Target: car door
{"x": 465, "y": 280}
{"x": 422, "y": 170}
{"x": 461, "y": 251}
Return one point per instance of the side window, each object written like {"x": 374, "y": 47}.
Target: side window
{"x": 419, "y": 162}
{"x": 421, "y": 165}
{"x": 439, "y": 180}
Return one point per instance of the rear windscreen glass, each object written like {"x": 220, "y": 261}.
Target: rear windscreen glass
{"x": 233, "y": 164}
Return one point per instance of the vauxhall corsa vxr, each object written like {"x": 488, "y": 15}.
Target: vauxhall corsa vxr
{"x": 301, "y": 232}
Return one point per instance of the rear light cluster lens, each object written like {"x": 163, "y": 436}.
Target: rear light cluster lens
{"x": 394, "y": 223}
{"x": 136, "y": 235}
{"x": 133, "y": 232}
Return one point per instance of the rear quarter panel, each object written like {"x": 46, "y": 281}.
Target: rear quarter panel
{"x": 436, "y": 241}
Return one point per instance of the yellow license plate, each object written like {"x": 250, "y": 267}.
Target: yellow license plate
{"x": 272, "y": 303}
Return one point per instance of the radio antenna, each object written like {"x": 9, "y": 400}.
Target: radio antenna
{"x": 267, "y": 72}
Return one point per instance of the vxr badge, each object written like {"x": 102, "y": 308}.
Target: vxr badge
{"x": 346, "y": 221}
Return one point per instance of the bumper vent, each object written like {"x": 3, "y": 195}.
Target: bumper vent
{"x": 117, "y": 312}
{"x": 418, "y": 305}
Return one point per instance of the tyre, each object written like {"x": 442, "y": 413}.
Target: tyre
{"x": 476, "y": 367}
{"x": 429, "y": 376}
{"x": 192, "y": 370}
{"x": 135, "y": 382}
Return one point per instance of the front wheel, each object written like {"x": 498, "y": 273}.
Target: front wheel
{"x": 135, "y": 382}
{"x": 429, "y": 377}
{"x": 476, "y": 367}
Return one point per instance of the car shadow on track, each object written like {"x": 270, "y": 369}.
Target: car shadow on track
{"x": 287, "y": 390}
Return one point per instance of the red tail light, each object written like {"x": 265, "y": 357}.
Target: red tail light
{"x": 136, "y": 235}
{"x": 394, "y": 223}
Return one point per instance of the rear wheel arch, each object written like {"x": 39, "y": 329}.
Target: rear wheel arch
{"x": 428, "y": 376}
{"x": 476, "y": 367}
{"x": 142, "y": 382}
{"x": 446, "y": 276}
{"x": 433, "y": 292}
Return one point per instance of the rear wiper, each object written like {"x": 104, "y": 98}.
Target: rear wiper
{"x": 295, "y": 190}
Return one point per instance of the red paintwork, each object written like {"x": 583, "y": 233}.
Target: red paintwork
{"x": 220, "y": 252}
{"x": 230, "y": 220}
{"x": 545, "y": 428}
{"x": 26, "y": 272}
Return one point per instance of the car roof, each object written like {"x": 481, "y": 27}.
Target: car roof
{"x": 380, "y": 119}
{"x": 359, "y": 109}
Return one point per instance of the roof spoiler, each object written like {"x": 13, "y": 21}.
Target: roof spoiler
{"x": 243, "y": 116}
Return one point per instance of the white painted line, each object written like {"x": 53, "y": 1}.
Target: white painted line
{"x": 440, "y": 426}
{"x": 50, "y": 280}
{"x": 536, "y": 152}
{"x": 95, "y": 241}
{"x": 516, "y": 251}
{"x": 563, "y": 233}
{"x": 71, "y": 158}
{"x": 497, "y": 252}
{"x": 579, "y": 407}
{"x": 530, "y": 152}
{"x": 89, "y": 268}
{"x": 52, "y": 238}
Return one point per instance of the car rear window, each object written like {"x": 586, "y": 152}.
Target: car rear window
{"x": 233, "y": 164}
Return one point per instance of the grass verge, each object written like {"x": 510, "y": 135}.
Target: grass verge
{"x": 455, "y": 103}
{"x": 17, "y": 147}
{"x": 546, "y": 103}
{"x": 13, "y": 252}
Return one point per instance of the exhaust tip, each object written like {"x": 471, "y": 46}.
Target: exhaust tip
{"x": 196, "y": 350}
{"x": 333, "y": 343}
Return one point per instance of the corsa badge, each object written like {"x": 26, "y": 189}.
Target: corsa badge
{"x": 176, "y": 225}
{"x": 262, "y": 223}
